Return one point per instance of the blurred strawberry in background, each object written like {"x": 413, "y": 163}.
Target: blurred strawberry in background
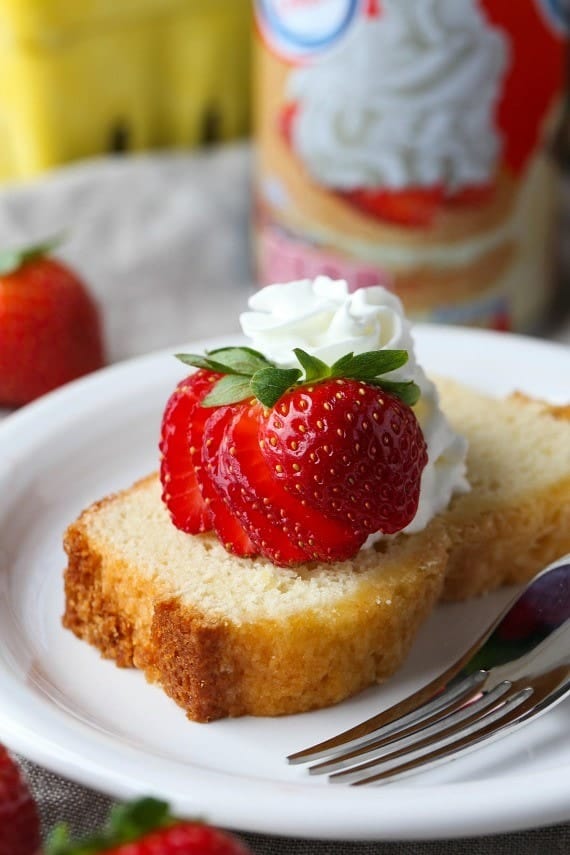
{"x": 50, "y": 328}
{"x": 19, "y": 821}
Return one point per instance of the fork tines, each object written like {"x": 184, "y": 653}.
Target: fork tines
{"x": 460, "y": 718}
{"x": 523, "y": 675}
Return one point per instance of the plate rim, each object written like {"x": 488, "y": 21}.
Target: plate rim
{"x": 546, "y": 802}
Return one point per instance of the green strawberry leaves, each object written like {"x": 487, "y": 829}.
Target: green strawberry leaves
{"x": 269, "y": 384}
{"x": 230, "y": 389}
{"x": 127, "y": 823}
{"x": 408, "y": 392}
{"x": 228, "y": 360}
{"x": 12, "y": 259}
{"x": 363, "y": 366}
{"x": 368, "y": 366}
{"x": 247, "y": 373}
{"x": 314, "y": 368}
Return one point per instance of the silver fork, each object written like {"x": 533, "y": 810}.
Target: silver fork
{"x": 518, "y": 669}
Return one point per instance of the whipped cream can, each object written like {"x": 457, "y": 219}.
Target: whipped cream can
{"x": 407, "y": 143}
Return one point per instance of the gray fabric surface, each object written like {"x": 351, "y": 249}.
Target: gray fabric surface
{"x": 163, "y": 242}
{"x": 85, "y": 810}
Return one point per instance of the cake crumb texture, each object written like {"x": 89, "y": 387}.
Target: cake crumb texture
{"x": 516, "y": 519}
{"x": 228, "y": 636}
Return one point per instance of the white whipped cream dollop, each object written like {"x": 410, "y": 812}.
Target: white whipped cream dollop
{"x": 322, "y": 317}
{"x": 407, "y": 99}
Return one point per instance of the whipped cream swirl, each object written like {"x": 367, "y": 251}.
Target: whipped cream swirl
{"x": 408, "y": 99}
{"x": 323, "y": 318}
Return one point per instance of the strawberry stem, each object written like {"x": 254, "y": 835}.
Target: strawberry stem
{"x": 127, "y": 824}
{"x": 247, "y": 373}
{"x": 11, "y": 260}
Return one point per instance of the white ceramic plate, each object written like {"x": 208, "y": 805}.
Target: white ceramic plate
{"x": 64, "y": 707}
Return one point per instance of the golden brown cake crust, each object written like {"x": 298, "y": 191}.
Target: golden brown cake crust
{"x": 89, "y": 613}
{"x": 215, "y": 667}
{"x": 194, "y": 662}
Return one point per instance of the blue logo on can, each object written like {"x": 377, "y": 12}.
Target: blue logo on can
{"x": 299, "y": 28}
{"x": 558, "y": 13}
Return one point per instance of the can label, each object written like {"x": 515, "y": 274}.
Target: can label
{"x": 302, "y": 28}
{"x": 406, "y": 142}
{"x": 557, "y": 13}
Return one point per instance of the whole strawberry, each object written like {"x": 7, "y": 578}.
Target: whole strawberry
{"x": 19, "y": 821}
{"x": 353, "y": 451}
{"x": 145, "y": 827}
{"x": 308, "y": 461}
{"x": 50, "y": 329}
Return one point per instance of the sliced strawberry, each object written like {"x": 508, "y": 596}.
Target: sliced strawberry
{"x": 415, "y": 206}
{"x": 351, "y": 450}
{"x": 180, "y": 490}
{"x": 283, "y": 527}
{"x": 225, "y": 523}
{"x": 267, "y": 530}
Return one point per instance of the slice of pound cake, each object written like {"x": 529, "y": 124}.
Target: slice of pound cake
{"x": 227, "y": 635}
{"x": 516, "y": 518}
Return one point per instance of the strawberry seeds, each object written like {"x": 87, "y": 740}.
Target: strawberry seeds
{"x": 295, "y": 464}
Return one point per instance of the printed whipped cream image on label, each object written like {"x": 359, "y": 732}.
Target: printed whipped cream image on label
{"x": 408, "y": 147}
{"x": 407, "y": 101}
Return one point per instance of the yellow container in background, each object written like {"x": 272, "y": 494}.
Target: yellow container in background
{"x": 84, "y": 78}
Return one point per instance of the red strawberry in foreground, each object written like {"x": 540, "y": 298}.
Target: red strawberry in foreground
{"x": 19, "y": 821}
{"x": 50, "y": 330}
{"x": 314, "y": 465}
{"x": 146, "y": 828}
{"x": 351, "y": 450}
